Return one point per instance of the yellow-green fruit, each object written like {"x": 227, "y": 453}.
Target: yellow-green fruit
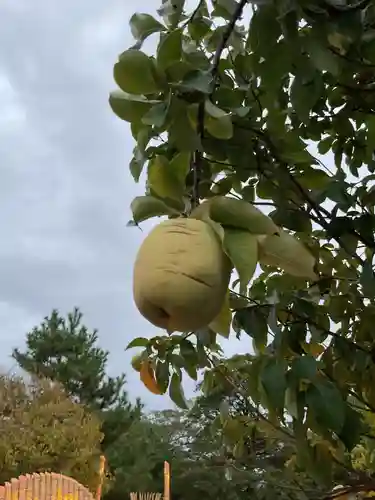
{"x": 181, "y": 275}
{"x": 137, "y": 362}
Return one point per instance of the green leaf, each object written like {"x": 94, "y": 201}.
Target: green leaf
{"x": 286, "y": 252}
{"x": 188, "y": 351}
{"x": 327, "y": 405}
{"x": 144, "y": 25}
{"x": 199, "y": 27}
{"x": 176, "y": 392}
{"x": 325, "y": 145}
{"x": 221, "y": 129}
{"x": 145, "y": 207}
{"x": 370, "y": 122}
{"x": 157, "y": 115}
{"x": 314, "y": 178}
{"x": 304, "y": 96}
{"x": 222, "y": 186}
{"x": 136, "y": 167}
{"x": 253, "y": 321}
{"x": 213, "y": 110}
{"x": 182, "y": 134}
{"x": 197, "y": 80}
{"x": 322, "y": 463}
{"x": 206, "y": 337}
{"x": 163, "y": 179}
{"x": 130, "y": 108}
{"x": 140, "y": 156}
{"x": 180, "y": 166}
{"x": 292, "y": 218}
{"x": 134, "y": 73}
{"x": 221, "y": 324}
{"x": 322, "y": 58}
{"x": 191, "y": 370}
{"x": 273, "y": 379}
{"x": 264, "y": 30}
{"x": 303, "y": 368}
{"x": 217, "y": 122}
{"x": 190, "y": 357}
{"x": 169, "y": 49}
{"x": 353, "y": 426}
{"x": 368, "y": 281}
{"x": 162, "y": 375}
{"x": 291, "y": 403}
{"x": 242, "y": 249}
{"x": 138, "y": 342}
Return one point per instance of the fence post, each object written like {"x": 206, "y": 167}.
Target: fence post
{"x": 167, "y": 481}
{"x": 101, "y": 477}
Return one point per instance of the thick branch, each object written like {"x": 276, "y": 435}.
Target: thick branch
{"x": 347, "y": 490}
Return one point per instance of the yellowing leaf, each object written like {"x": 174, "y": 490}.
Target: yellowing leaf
{"x": 136, "y": 362}
{"x": 202, "y": 212}
{"x": 147, "y": 376}
{"x": 221, "y": 128}
{"x": 313, "y": 348}
{"x": 143, "y": 25}
{"x": 242, "y": 249}
{"x": 217, "y": 121}
{"x": 134, "y": 73}
{"x": 169, "y": 49}
{"x": 145, "y": 207}
{"x": 338, "y": 40}
{"x": 130, "y": 108}
{"x": 236, "y": 214}
{"x": 221, "y": 324}
{"x": 163, "y": 180}
{"x": 287, "y": 253}
{"x": 213, "y": 110}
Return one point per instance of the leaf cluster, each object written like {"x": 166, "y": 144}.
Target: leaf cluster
{"x": 41, "y": 429}
{"x": 277, "y": 113}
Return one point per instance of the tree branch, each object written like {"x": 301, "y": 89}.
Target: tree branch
{"x": 227, "y": 33}
{"x": 197, "y": 161}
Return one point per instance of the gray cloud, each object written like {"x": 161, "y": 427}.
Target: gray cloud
{"x": 65, "y": 189}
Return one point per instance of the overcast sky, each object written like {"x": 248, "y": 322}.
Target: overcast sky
{"x": 65, "y": 189}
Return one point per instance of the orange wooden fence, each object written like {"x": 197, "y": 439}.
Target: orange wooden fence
{"x": 145, "y": 496}
{"x": 156, "y": 496}
{"x": 44, "y": 486}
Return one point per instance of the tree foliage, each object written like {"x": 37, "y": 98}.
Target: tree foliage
{"x": 279, "y": 112}
{"x": 42, "y": 429}
{"x": 64, "y": 350}
{"x": 187, "y": 441}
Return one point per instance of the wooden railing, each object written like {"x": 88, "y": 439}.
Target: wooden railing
{"x": 44, "y": 486}
{"x": 52, "y": 486}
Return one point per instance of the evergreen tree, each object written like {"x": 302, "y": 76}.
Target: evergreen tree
{"x": 65, "y": 350}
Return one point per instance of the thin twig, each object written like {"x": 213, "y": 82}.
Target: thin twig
{"x": 194, "y": 14}
{"x": 226, "y": 35}
{"x": 243, "y": 394}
